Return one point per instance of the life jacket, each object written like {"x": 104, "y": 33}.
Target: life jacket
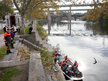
{"x": 61, "y": 63}
{"x": 64, "y": 63}
{"x": 67, "y": 59}
{"x": 55, "y": 54}
{"x": 7, "y": 37}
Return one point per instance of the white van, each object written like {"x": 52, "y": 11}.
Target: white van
{"x": 13, "y": 19}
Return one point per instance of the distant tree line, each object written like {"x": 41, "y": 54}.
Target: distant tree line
{"x": 98, "y": 14}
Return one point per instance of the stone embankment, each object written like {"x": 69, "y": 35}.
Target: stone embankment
{"x": 36, "y": 71}
{"x": 35, "y": 41}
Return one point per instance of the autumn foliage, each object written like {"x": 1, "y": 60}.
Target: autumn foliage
{"x": 99, "y": 13}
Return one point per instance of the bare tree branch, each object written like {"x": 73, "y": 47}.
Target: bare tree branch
{"x": 17, "y": 6}
{"x": 28, "y": 3}
{"x": 23, "y": 8}
{"x": 24, "y": 2}
{"x": 35, "y": 6}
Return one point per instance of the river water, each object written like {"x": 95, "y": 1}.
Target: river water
{"x": 86, "y": 43}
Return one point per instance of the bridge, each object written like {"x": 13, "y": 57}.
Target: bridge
{"x": 69, "y": 13}
{"x": 75, "y": 5}
{"x": 67, "y": 10}
{"x": 71, "y": 10}
{"x": 72, "y": 5}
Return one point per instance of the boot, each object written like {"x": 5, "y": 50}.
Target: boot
{"x": 10, "y": 51}
{"x": 7, "y": 52}
{"x": 12, "y": 46}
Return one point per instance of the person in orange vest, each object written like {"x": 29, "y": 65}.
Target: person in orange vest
{"x": 60, "y": 63}
{"x": 64, "y": 65}
{"x": 66, "y": 58}
{"x": 7, "y": 39}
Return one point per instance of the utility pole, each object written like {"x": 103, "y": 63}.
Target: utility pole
{"x": 49, "y": 22}
{"x": 70, "y": 19}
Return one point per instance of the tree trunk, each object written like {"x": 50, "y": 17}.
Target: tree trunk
{"x": 22, "y": 25}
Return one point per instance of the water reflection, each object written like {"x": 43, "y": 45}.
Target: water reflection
{"x": 86, "y": 43}
{"x": 82, "y": 28}
{"x": 84, "y": 49}
{"x": 100, "y": 28}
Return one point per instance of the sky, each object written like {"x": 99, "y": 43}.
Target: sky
{"x": 68, "y": 2}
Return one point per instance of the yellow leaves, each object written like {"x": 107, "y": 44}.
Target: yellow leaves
{"x": 100, "y": 11}
{"x": 9, "y": 2}
{"x": 40, "y": 10}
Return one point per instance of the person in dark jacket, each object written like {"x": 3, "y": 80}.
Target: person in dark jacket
{"x": 12, "y": 37}
{"x": 30, "y": 30}
{"x": 7, "y": 39}
{"x": 4, "y": 29}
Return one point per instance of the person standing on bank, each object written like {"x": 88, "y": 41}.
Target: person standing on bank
{"x": 12, "y": 37}
{"x": 30, "y": 30}
{"x": 4, "y": 29}
{"x": 7, "y": 39}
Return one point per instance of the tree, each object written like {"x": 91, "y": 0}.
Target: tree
{"x": 36, "y": 7}
{"x": 99, "y": 13}
{"x": 5, "y": 8}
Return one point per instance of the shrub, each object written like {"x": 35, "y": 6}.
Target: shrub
{"x": 1, "y": 31}
{"x": 41, "y": 31}
{"x": 26, "y": 30}
{"x": 47, "y": 59}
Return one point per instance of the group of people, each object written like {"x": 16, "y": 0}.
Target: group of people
{"x": 13, "y": 26}
{"x": 69, "y": 68}
{"x": 9, "y": 34}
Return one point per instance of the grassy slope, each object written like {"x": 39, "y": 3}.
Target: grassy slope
{"x": 41, "y": 31}
{"x": 1, "y": 32}
{"x": 47, "y": 59}
{"x": 6, "y": 74}
{"x": 2, "y": 52}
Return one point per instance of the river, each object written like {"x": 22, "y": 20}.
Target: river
{"x": 85, "y": 44}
